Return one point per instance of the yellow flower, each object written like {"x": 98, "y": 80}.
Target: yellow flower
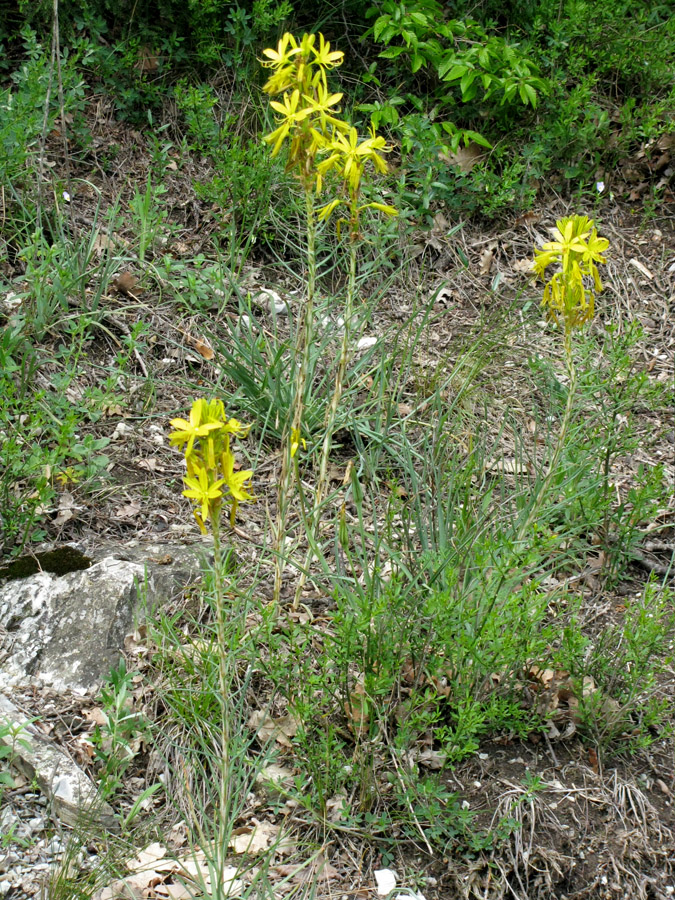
{"x": 296, "y": 440}
{"x": 235, "y": 484}
{"x": 196, "y": 427}
{"x": 326, "y": 58}
{"x": 203, "y": 491}
{"x": 235, "y": 480}
{"x": 321, "y": 104}
{"x": 287, "y": 48}
{"x": 577, "y": 249}
{"x": 291, "y": 116}
{"x": 349, "y": 156}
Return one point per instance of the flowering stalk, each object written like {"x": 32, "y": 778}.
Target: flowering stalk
{"x": 331, "y": 413}
{"x": 303, "y": 347}
{"x": 210, "y": 482}
{"x": 570, "y": 304}
{"x": 309, "y": 122}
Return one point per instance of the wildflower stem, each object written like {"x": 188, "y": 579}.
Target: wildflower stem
{"x": 331, "y": 413}
{"x": 221, "y": 642}
{"x": 560, "y": 443}
{"x": 302, "y": 350}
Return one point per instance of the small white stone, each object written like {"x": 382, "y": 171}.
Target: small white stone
{"x": 121, "y": 430}
{"x": 12, "y": 301}
{"x": 276, "y": 305}
{"x": 386, "y": 881}
{"x": 365, "y": 343}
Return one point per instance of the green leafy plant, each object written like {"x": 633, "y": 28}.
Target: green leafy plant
{"x": 148, "y": 216}
{"x": 611, "y": 388}
{"x": 616, "y": 671}
{"x": 10, "y": 736}
{"x": 459, "y": 52}
{"x": 119, "y": 740}
{"x": 242, "y": 183}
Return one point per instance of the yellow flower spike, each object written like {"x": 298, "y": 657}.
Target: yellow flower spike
{"x": 296, "y": 441}
{"x": 349, "y": 156}
{"x": 577, "y": 250}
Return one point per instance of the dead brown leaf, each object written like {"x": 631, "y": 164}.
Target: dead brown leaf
{"x": 357, "y": 709}
{"x": 523, "y": 266}
{"x": 101, "y": 243}
{"x": 147, "y": 59}
{"x": 465, "y": 158}
{"x": 486, "y": 258}
{"x": 126, "y": 283}
{"x": 202, "y": 347}
{"x": 281, "y": 730}
{"x": 66, "y": 509}
{"x": 130, "y": 511}
{"x": 528, "y": 218}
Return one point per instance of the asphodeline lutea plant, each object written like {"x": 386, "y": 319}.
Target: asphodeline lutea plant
{"x": 569, "y": 301}
{"x": 210, "y": 482}
{"x": 319, "y": 143}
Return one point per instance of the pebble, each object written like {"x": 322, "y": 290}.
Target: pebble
{"x": 365, "y": 343}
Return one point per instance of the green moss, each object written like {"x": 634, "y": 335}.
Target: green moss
{"x": 58, "y": 562}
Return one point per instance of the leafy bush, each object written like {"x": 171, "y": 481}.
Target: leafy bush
{"x": 597, "y": 73}
{"x": 241, "y": 186}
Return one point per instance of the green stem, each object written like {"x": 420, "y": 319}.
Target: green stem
{"x": 560, "y": 443}
{"x": 223, "y": 681}
{"x": 303, "y": 348}
{"x": 331, "y": 413}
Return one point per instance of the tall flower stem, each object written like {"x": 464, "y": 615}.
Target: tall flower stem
{"x": 303, "y": 349}
{"x": 560, "y": 443}
{"x": 223, "y": 673}
{"x": 331, "y": 413}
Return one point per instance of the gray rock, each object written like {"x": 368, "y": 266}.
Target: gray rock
{"x": 72, "y": 794}
{"x": 67, "y": 631}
